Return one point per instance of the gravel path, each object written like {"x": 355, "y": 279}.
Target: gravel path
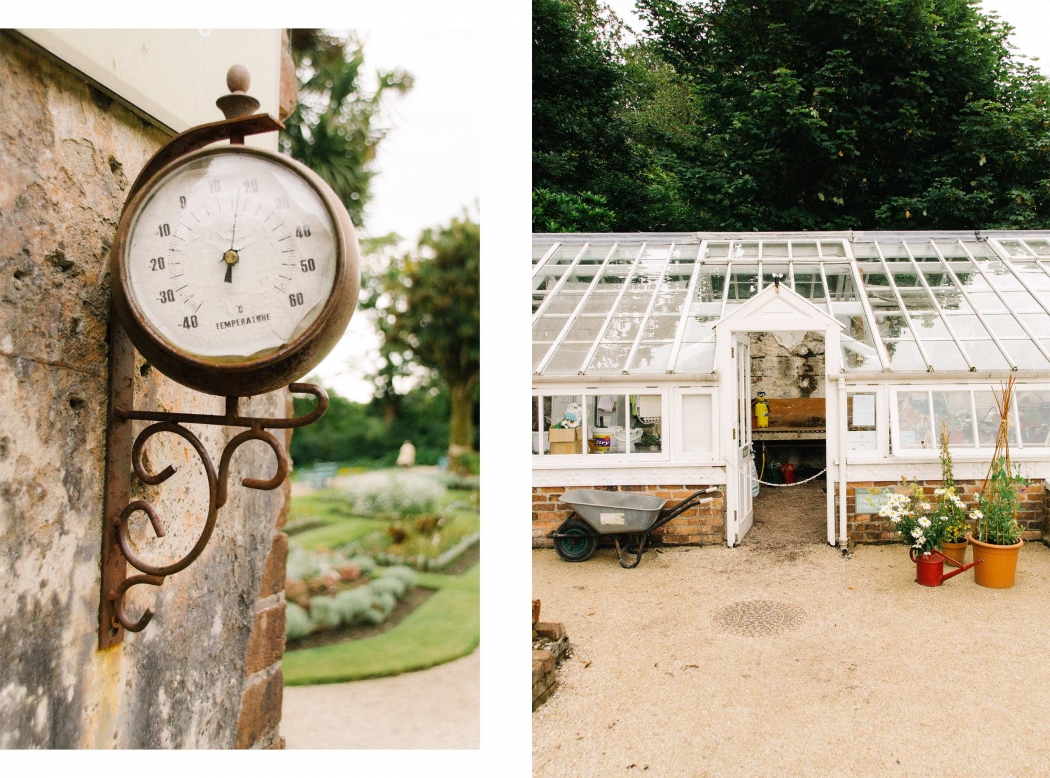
{"x": 870, "y": 673}
{"x": 435, "y": 708}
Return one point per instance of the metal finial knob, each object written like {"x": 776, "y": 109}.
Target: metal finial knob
{"x": 238, "y": 79}
{"x": 237, "y": 103}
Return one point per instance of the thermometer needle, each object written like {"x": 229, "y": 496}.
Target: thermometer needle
{"x": 231, "y": 257}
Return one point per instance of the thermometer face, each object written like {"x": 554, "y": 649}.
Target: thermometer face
{"x": 231, "y": 257}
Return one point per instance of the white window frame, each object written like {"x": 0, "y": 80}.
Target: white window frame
{"x": 587, "y": 460}
{"x": 960, "y": 453}
{"x": 882, "y": 426}
{"x": 678, "y": 427}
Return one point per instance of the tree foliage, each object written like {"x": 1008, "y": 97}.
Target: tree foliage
{"x": 337, "y": 123}
{"x": 359, "y": 434}
{"x": 427, "y": 303}
{"x": 830, "y": 114}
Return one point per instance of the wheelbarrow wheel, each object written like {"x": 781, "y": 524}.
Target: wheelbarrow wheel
{"x": 580, "y": 543}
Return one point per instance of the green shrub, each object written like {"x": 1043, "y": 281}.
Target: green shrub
{"x": 324, "y": 611}
{"x": 406, "y": 574}
{"x": 297, "y": 622}
{"x": 389, "y": 584}
{"x": 352, "y": 604}
{"x": 364, "y": 562}
{"x": 392, "y": 495}
{"x": 304, "y": 565}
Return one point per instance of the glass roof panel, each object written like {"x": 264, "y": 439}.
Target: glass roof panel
{"x": 653, "y": 358}
{"x": 643, "y": 294}
{"x": 609, "y": 359}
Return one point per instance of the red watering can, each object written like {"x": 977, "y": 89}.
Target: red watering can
{"x": 929, "y": 568}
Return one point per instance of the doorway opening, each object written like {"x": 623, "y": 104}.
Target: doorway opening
{"x": 789, "y": 438}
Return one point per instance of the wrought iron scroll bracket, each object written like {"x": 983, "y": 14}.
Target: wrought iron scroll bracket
{"x": 117, "y": 552}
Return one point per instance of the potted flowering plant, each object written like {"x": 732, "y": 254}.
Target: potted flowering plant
{"x": 997, "y": 535}
{"x": 918, "y": 521}
{"x": 951, "y": 507}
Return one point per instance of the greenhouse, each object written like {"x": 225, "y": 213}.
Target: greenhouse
{"x": 667, "y": 362}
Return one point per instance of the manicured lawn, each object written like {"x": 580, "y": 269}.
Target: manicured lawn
{"x": 445, "y": 627}
{"x": 337, "y": 533}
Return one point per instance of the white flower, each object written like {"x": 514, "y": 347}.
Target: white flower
{"x": 924, "y": 522}
{"x": 976, "y": 515}
{"x": 920, "y": 541}
{"x": 925, "y": 506}
{"x": 916, "y": 533}
{"x": 938, "y": 492}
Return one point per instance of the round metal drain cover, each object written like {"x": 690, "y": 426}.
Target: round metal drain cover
{"x": 758, "y": 618}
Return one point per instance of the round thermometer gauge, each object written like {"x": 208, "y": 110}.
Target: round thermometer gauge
{"x": 237, "y": 270}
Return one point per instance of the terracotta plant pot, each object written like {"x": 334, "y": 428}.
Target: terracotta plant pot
{"x": 956, "y": 551}
{"x": 998, "y": 565}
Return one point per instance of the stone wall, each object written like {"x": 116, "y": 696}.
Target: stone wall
{"x": 703, "y": 524}
{"x": 787, "y": 365}
{"x": 872, "y": 528}
{"x": 211, "y": 656}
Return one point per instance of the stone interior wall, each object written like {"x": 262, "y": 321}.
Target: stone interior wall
{"x": 206, "y": 672}
{"x": 703, "y": 524}
{"x": 787, "y": 365}
{"x": 872, "y": 528}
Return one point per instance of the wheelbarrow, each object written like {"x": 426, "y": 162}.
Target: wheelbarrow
{"x": 628, "y": 518}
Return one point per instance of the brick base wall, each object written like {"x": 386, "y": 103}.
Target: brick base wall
{"x": 702, "y": 524}
{"x": 872, "y": 528}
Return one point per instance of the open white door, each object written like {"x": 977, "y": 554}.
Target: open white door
{"x": 743, "y": 514}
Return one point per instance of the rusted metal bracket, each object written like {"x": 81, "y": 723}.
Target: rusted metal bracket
{"x": 116, "y": 546}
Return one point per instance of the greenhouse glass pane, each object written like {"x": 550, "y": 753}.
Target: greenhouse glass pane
{"x": 1039, "y": 323}
{"x": 810, "y": 285}
{"x": 539, "y": 251}
{"x": 988, "y": 420}
{"x": 1021, "y": 302}
{"x": 966, "y": 326}
{"x": 986, "y": 355}
{"x": 696, "y": 358}
{"x": 599, "y": 302}
{"x": 913, "y": 414}
{"x": 1026, "y": 354}
{"x": 1040, "y": 247}
{"x": 1014, "y": 248}
{"x": 636, "y": 299}
{"x": 1034, "y": 410}
{"x": 905, "y": 356}
{"x": 987, "y": 302}
{"x": 585, "y": 329}
{"x": 945, "y": 355}
{"x": 547, "y": 327}
{"x": 768, "y": 271}
{"x": 554, "y": 411}
{"x": 840, "y": 284}
{"x": 712, "y": 283}
{"x": 606, "y": 414}
{"x": 539, "y": 351}
{"x": 744, "y": 250}
{"x": 652, "y": 358}
{"x": 893, "y": 325}
{"x": 832, "y": 248}
{"x": 1001, "y": 278}
{"x": 857, "y": 356}
{"x": 865, "y": 251}
{"x": 567, "y": 359}
{"x": 660, "y": 328}
{"x": 1033, "y": 275}
{"x": 774, "y": 249}
{"x": 801, "y": 248}
{"x": 622, "y": 328}
{"x": 699, "y": 329}
{"x": 717, "y": 250}
{"x": 609, "y": 359}
{"x": 564, "y": 303}
{"x": 1005, "y": 326}
{"x": 952, "y": 409}
{"x": 743, "y": 283}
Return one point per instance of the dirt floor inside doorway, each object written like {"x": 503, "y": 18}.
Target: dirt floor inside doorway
{"x": 788, "y": 519}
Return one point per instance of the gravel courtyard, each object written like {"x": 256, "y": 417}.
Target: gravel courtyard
{"x": 827, "y": 666}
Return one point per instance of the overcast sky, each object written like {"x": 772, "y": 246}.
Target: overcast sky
{"x": 429, "y": 164}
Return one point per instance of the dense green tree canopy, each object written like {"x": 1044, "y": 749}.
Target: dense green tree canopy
{"x": 428, "y": 314}
{"x": 829, "y": 114}
{"x": 336, "y": 125}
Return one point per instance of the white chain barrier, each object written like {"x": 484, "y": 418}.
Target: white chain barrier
{"x": 797, "y": 483}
